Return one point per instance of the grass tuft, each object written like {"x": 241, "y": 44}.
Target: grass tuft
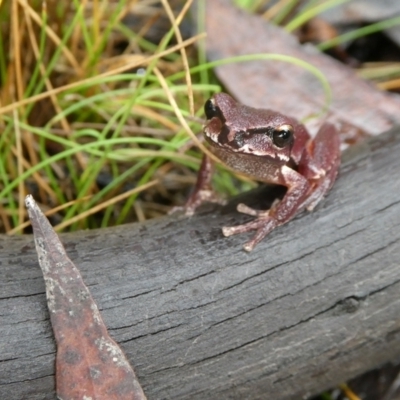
{"x": 86, "y": 127}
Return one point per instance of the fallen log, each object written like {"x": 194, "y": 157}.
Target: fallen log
{"x": 315, "y": 304}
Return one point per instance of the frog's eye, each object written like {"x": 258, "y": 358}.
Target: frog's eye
{"x": 210, "y": 109}
{"x": 282, "y": 135}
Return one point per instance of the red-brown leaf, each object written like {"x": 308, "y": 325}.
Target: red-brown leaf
{"x": 89, "y": 364}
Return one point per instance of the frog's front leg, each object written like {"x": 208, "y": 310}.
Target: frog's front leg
{"x": 203, "y": 191}
{"x": 280, "y": 212}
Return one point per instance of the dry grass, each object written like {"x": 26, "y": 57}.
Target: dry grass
{"x": 86, "y": 125}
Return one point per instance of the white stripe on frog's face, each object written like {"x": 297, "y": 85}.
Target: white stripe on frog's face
{"x": 247, "y": 149}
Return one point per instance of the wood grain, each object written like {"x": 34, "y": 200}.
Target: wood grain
{"x": 314, "y": 304}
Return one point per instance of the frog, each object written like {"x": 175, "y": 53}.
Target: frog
{"x": 269, "y": 147}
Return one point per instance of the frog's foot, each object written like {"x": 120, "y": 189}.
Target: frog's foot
{"x": 242, "y": 208}
{"x": 263, "y": 225}
{"x": 196, "y": 199}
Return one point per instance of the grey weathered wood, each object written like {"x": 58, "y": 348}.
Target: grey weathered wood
{"x": 316, "y": 303}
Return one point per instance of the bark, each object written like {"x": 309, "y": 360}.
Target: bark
{"x": 315, "y": 304}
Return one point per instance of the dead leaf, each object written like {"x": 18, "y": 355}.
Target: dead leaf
{"x": 89, "y": 364}
{"x": 357, "y": 108}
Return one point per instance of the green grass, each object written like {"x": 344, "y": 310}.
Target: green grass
{"x": 361, "y": 32}
{"x": 59, "y": 157}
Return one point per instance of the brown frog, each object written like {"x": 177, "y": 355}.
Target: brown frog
{"x": 269, "y": 147}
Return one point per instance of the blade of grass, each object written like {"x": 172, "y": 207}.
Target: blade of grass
{"x": 201, "y": 45}
{"x": 15, "y": 26}
{"x": 185, "y": 61}
{"x": 83, "y": 26}
{"x": 20, "y": 168}
{"x": 47, "y": 167}
{"x": 357, "y": 33}
{"x": 3, "y": 65}
{"x": 311, "y": 13}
